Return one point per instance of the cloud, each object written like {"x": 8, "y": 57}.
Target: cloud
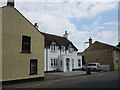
{"x": 100, "y": 27}
{"x": 110, "y": 23}
{"x": 110, "y": 37}
{"x": 54, "y": 16}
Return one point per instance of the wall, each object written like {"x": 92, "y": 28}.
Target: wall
{"x": 102, "y": 56}
{"x": 16, "y": 65}
{"x": 56, "y": 54}
{"x": 0, "y": 44}
{"x": 79, "y": 57}
{"x": 60, "y": 58}
{"x": 116, "y": 55}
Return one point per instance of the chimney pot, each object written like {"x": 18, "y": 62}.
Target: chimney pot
{"x": 66, "y": 34}
{"x": 10, "y": 3}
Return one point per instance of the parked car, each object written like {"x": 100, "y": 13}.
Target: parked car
{"x": 92, "y": 66}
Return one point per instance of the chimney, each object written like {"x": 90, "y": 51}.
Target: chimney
{"x": 66, "y": 34}
{"x": 10, "y": 3}
{"x": 90, "y": 41}
{"x": 36, "y": 25}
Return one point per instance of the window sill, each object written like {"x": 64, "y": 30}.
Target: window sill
{"x": 25, "y": 52}
{"x": 33, "y": 74}
{"x": 54, "y": 51}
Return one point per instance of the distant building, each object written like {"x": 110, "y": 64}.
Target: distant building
{"x": 104, "y": 54}
{"x": 22, "y": 47}
{"x": 60, "y": 54}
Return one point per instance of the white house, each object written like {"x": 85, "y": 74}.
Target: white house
{"x": 60, "y": 54}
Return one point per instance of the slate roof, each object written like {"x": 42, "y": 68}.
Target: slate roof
{"x": 59, "y": 40}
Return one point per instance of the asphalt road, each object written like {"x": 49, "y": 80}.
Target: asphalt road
{"x": 98, "y": 80}
{"x": 103, "y": 80}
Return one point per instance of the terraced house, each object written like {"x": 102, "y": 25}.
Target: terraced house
{"x": 103, "y": 53}
{"x": 60, "y": 54}
{"x": 22, "y": 47}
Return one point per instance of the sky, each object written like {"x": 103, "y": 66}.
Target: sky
{"x": 82, "y": 19}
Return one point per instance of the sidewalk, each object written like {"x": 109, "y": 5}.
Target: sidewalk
{"x": 57, "y": 75}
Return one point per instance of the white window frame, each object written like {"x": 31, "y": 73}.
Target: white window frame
{"x": 62, "y": 48}
{"x": 53, "y": 47}
{"x": 53, "y": 62}
{"x": 70, "y": 49}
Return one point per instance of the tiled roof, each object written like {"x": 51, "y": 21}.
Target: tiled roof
{"x": 115, "y": 47}
{"x": 60, "y": 41}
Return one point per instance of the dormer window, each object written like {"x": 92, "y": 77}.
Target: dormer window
{"x": 53, "y": 46}
{"x": 62, "y": 49}
{"x": 70, "y": 49}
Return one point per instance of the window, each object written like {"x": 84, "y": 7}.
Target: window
{"x": 62, "y": 49}
{"x": 26, "y": 44}
{"x": 53, "y": 46}
{"x": 70, "y": 48}
{"x": 33, "y": 66}
{"x": 79, "y": 62}
{"x": 61, "y": 63}
{"x": 72, "y": 62}
{"x": 53, "y": 62}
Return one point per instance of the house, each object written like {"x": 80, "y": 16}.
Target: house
{"x": 80, "y": 56}
{"x": 60, "y": 53}
{"x": 22, "y": 47}
{"x": 103, "y": 53}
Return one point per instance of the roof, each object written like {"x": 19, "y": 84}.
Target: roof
{"x": 80, "y": 53}
{"x": 112, "y": 47}
{"x": 108, "y": 45}
{"x": 60, "y": 41}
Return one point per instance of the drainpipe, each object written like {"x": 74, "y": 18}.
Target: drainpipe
{"x": 46, "y": 59}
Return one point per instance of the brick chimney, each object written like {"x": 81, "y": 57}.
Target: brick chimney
{"x": 10, "y": 3}
{"x": 90, "y": 41}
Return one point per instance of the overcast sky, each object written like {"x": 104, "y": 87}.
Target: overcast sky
{"x": 82, "y": 19}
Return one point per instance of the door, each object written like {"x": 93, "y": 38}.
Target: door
{"x": 67, "y": 65}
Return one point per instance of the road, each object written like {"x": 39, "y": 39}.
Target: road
{"x": 103, "y": 80}
{"x": 98, "y": 80}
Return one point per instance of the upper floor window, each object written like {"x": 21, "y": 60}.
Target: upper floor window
{"x": 70, "y": 49}
{"x": 62, "y": 49}
{"x": 26, "y": 44}
{"x": 53, "y": 46}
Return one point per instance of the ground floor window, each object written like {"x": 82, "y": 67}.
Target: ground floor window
{"x": 33, "y": 66}
{"x": 79, "y": 62}
{"x": 61, "y": 63}
{"x": 72, "y": 63}
{"x": 53, "y": 62}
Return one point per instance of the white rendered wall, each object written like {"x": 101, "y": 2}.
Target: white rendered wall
{"x": 60, "y": 56}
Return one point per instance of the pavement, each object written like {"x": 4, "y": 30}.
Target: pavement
{"x": 56, "y": 75}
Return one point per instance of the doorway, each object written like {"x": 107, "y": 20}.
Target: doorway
{"x": 67, "y": 64}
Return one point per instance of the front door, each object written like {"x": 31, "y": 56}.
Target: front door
{"x": 67, "y": 65}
